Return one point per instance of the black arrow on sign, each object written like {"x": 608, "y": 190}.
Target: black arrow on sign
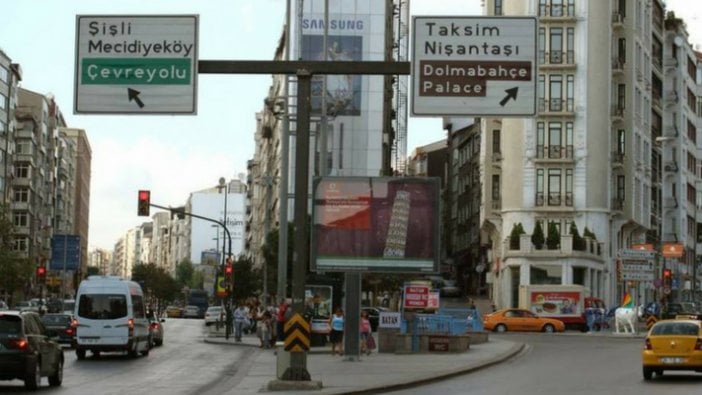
{"x": 134, "y": 95}
{"x": 511, "y": 94}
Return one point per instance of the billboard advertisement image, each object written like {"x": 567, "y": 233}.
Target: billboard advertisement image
{"x": 375, "y": 224}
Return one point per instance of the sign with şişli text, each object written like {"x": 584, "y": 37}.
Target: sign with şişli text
{"x": 474, "y": 66}
{"x": 138, "y": 64}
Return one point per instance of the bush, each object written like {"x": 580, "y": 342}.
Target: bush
{"x": 589, "y": 234}
{"x": 553, "y": 240}
{"x": 537, "y": 237}
{"x": 517, "y": 231}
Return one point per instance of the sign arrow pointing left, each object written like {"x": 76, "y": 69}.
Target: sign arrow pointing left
{"x": 134, "y": 95}
{"x": 511, "y": 94}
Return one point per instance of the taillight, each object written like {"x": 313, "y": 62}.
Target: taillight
{"x": 69, "y": 331}
{"x": 19, "y": 344}
{"x": 698, "y": 344}
{"x": 154, "y": 325}
{"x": 649, "y": 346}
{"x": 130, "y": 323}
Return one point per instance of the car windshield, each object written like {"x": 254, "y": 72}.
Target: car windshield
{"x": 675, "y": 328}
{"x": 10, "y": 325}
{"x": 102, "y": 306}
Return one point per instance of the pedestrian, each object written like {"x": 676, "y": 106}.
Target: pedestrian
{"x": 280, "y": 319}
{"x": 240, "y": 320}
{"x": 365, "y": 329}
{"x": 264, "y": 329}
{"x": 336, "y": 336}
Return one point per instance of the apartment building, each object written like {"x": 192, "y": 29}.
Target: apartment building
{"x": 602, "y": 153}
{"x": 10, "y": 76}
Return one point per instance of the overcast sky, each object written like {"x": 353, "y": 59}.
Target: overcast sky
{"x": 175, "y": 155}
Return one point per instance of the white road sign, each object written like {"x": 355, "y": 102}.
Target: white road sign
{"x": 474, "y": 66}
{"x": 136, "y": 64}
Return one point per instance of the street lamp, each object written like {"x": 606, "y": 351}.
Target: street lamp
{"x": 223, "y": 185}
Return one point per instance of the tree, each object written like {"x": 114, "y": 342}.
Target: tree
{"x": 159, "y": 287}
{"x": 270, "y": 255}
{"x": 247, "y": 281}
{"x": 184, "y": 272}
{"x": 588, "y": 233}
{"x": 517, "y": 231}
{"x": 578, "y": 241}
{"x": 537, "y": 237}
{"x": 553, "y": 240}
{"x": 15, "y": 271}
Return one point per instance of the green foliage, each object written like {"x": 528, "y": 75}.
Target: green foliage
{"x": 578, "y": 241}
{"x": 537, "y": 237}
{"x": 588, "y": 233}
{"x": 270, "y": 255}
{"x": 247, "y": 281}
{"x": 15, "y": 271}
{"x": 517, "y": 231}
{"x": 158, "y": 285}
{"x": 184, "y": 272}
{"x": 92, "y": 271}
{"x": 553, "y": 240}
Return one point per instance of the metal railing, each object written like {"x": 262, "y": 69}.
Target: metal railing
{"x": 556, "y": 105}
{"x": 554, "y": 152}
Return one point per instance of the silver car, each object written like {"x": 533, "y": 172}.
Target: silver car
{"x": 191, "y": 312}
{"x": 214, "y": 314}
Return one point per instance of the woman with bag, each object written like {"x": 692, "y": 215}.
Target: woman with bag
{"x": 365, "y": 329}
{"x": 336, "y": 336}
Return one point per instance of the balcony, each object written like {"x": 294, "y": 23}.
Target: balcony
{"x": 671, "y": 97}
{"x": 556, "y": 11}
{"x": 618, "y": 65}
{"x": 554, "y": 152}
{"x": 617, "y": 158}
{"x": 618, "y": 204}
{"x": 497, "y": 203}
{"x": 592, "y": 249}
{"x": 559, "y": 106}
{"x": 670, "y": 166}
{"x": 617, "y": 111}
{"x": 617, "y": 19}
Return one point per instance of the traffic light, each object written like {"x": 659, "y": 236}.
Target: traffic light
{"x": 144, "y": 203}
{"x": 41, "y": 274}
{"x": 228, "y": 269}
{"x": 667, "y": 273}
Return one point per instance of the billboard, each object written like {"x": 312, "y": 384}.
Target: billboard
{"x": 207, "y": 236}
{"x": 376, "y": 224}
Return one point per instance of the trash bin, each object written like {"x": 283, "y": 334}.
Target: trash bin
{"x": 282, "y": 360}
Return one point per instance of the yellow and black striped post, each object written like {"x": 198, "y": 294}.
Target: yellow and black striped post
{"x": 297, "y": 334}
{"x": 650, "y": 321}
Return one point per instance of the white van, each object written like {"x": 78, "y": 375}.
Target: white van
{"x": 110, "y": 316}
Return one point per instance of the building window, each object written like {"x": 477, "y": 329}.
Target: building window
{"x": 691, "y": 131}
{"x": 569, "y": 188}
{"x": 21, "y": 219}
{"x": 555, "y": 92}
{"x": 21, "y": 244}
{"x": 621, "y": 95}
{"x": 542, "y": 92}
{"x": 554, "y": 140}
{"x": 496, "y": 142}
{"x": 23, "y": 147}
{"x": 556, "y": 7}
{"x": 539, "y": 187}
{"x": 556, "y": 45}
{"x": 498, "y": 7}
{"x": 621, "y": 187}
{"x": 570, "y": 92}
{"x": 496, "y": 187}
{"x": 3, "y": 101}
{"x": 570, "y": 45}
{"x": 3, "y": 128}
{"x": 22, "y": 170}
{"x": 554, "y": 187}
{"x": 21, "y": 195}
{"x": 3, "y": 74}
{"x": 542, "y": 45}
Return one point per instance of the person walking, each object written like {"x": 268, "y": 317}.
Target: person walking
{"x": 240, "y": 318}
{"x": 280, "y": 320}
{"x": 365, "y": 329}
{"x": 336, "y": 336}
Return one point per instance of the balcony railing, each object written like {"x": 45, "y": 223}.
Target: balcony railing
{"x": 618, "y": 63}
{"x": 617, "y": 18}
{"x": 569, "y": 199}
{"x": 554, "y": 199}
{"x": 618, "y": 204}
{"x": 556, "y": 57}
{"x": 557, "y": 10}
{"x": 556, "y": 105}
{"x": 618, "y": 157}
{"x": 617, "y": 110}
{"x": 539, "y": 201}
{"x": 554, "y": 152}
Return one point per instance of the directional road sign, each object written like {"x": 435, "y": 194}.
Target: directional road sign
{"x": 138, "y": 64}
{"x": 65, "y": 252}
{"x": 474, "y": 66}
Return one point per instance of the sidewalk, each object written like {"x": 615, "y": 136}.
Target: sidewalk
{"x": 370, "y": 373}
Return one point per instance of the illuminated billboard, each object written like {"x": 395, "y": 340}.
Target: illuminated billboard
{"x": 378, "y": 224}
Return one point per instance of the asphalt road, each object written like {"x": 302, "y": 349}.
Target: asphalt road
{"x": 573, "y": 364}
{"x": 183, "y": 365}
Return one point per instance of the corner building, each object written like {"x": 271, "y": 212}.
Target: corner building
{"x": 590, "y": 157}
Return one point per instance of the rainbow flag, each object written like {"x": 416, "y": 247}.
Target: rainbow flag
{"x": 628, "y": 302}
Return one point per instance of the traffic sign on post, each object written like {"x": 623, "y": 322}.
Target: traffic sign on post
{"x": 474, "y": 66}
{"x": 138, "y": 64}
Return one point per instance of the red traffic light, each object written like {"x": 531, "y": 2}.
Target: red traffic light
{"x": 228, "y": 270}
{"x": 666, "y": 273}
{"x": 41, "y": 273}
{"x": 144, "y": 203}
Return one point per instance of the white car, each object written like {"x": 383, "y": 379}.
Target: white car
{"x": 191, "y": 312}
{"x": 214, "y": 314}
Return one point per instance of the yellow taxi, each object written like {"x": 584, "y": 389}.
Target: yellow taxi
{"x": 672, "y": 345}
{"x": 520, "y": 320}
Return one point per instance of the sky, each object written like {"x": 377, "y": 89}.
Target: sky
{"x": 174, "y": 156}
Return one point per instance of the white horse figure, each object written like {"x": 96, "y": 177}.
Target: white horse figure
{"x": 625, "y": 318}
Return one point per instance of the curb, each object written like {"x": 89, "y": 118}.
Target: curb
{"x": 516, "y": 349}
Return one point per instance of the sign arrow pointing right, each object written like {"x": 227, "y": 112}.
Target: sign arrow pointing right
{"x": 134, "y": 95}
{"x": 511, "y": 94}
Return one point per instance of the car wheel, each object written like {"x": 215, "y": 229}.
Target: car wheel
{"x": 132, "y": 352}
{"x": 501, "y": 328}
{"x": 659, "y": 372}
{"x": 96, "y": 354}
{"x": 33, "y": 378}
{"x": 57, "y": 378}
{"x": 146, "y": 352}
{"x": 647, "y": 373}
{"x": 80, "y": 354}
{"x": 548, "y": 328}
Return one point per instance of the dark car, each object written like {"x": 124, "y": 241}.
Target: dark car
{"x": 26, "y": 350}
{"x": 156, "y": 329}
{"x": 374, "y": 315}
{"x": 60, "y": 325}
{"x": 671, "y": 310}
